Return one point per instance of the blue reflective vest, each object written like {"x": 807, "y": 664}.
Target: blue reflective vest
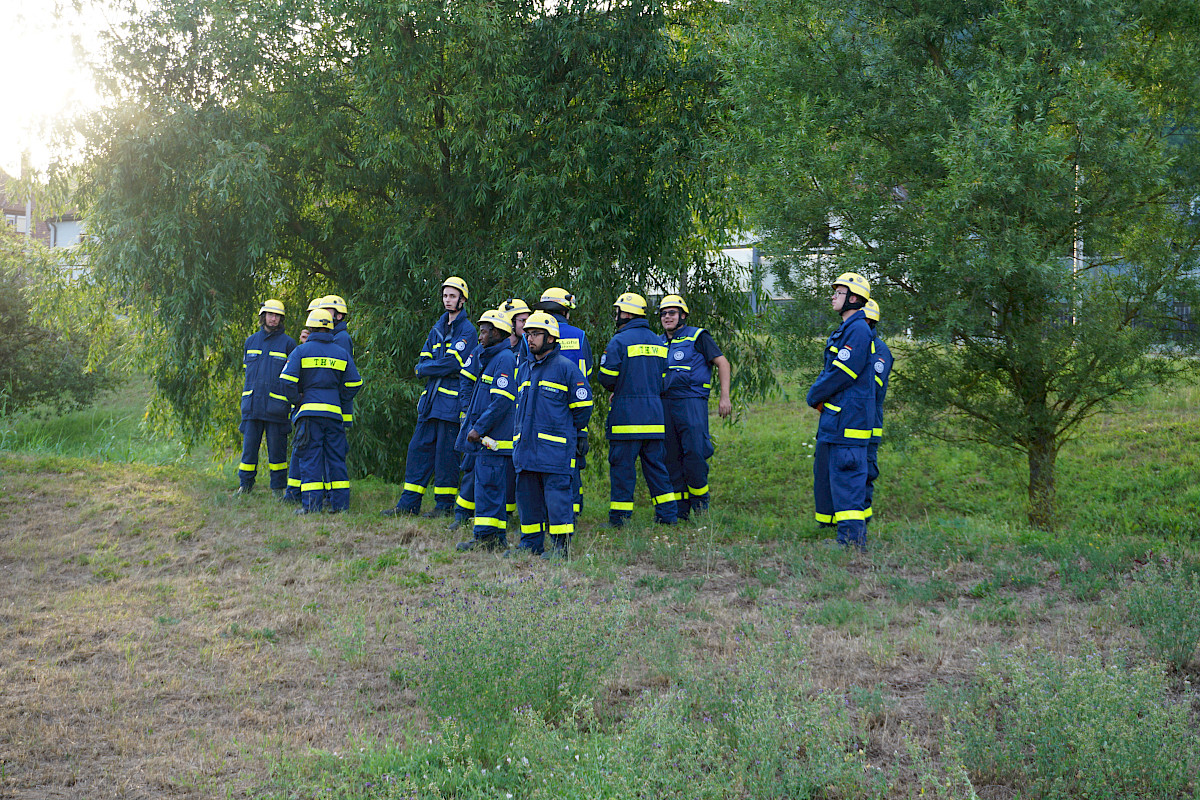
{"x": 492, "y": 395}
{"x": 881, "y": 362}
{"x": 633, "y": 368}
{"x": 689, "y": 374}
{"x": 554, "y": 404}
{"x": 573, "y": 343}
{"x": 320, "y": 376}
{"x": 265, "y": 354}
{"x": 845, "y": 390}
{"x": 440, "y": 363}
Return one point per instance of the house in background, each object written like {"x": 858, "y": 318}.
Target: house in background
{"x": 63, "y": 230}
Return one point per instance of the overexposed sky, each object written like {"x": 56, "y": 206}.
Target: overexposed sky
{"x": 43, "y": 79}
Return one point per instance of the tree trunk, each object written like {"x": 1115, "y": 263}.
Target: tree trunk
{"x": 1042, "y": 504}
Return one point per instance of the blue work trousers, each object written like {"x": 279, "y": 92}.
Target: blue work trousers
{"x": 321, "y": 443}
{"x": 464, "y": 504}
{"x": 431, "y": 453}
{"x": 840, "y": 489}
{"x": 546, "y": 504}
{"x": 491, "y": 497}
{"x": 622, "y": 477}
{"x": 688, "y": 448}
{"x": 872, "y": 474}
{"x": 253, "y": 431}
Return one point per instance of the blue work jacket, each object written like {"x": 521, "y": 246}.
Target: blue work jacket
{"x": 633, "y": 368}
{"x": 573, "y": 343}
{"x": 265, "y": 354}
{"x": 554, "y": 404}
{"x": 689, "y": 373}
{"x": 321, "y": 377}
{"x": 491, "y": 397}
{"x": 845, "y": 390}
{"x": 881, "y": 362}
{"x": 440, "y": 363}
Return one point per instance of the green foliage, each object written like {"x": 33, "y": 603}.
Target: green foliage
{"x": 1164, "y": 603}
{"x": 50, "y": 353}
{"x": 1074, "y": 727}
{"x": 956, "y": 153}
{"x": 373, "y": 148}
{"x": 528, "y": 644}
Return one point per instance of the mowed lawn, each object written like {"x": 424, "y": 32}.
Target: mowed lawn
{"x": 164, "y": 638}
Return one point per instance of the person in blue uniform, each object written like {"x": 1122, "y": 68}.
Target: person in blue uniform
{"x": 692, "y": 357}
{"x": 517, "y": 312}
{"x": 573, "y": 343}
{"x": 844, "y": 394}
{"x": 264, "y": 410}
{"x": 633, "y": 368}
{"x": 554, "y": 405}
{"x": 321, "y": 378}
{"x": 337, "y": 307}
{"x": 292, "y": 494}
{"x": 486, "y": 436}
{"x": 881, "y": 363}
{"x": 431, "y": 450}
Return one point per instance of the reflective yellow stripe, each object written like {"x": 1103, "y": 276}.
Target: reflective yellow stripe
{"x": 347, "y": 418}
{"x": 294, "y": 482}
{"x": 277, "y": 467}
{"x": 352, "y": 384}
{"x": 412, "y": 487}
{"x": 469, "y": 505}
{"x": 576, "y": 508}
{"x": 823, "y": 517}
{"x": 568, "y": 344}
{"x": 553, "y": 385}
{"x": 619, "y": 505}
{"x": 703, "y": 490}
{"x": 581, "y": 404}
{"x": 879, "y": 380}
{"x": 680, "y": 367}
{"x": 291, "y": 378}
{"x": 561, "y": 530}
{"x": 855, "y": 433}
{"x": 321, "y": 362}
{"x": 832, "y": 349}
{"x": 312, "y": 487}
{"x": 278, "y": 396}
{"x": 426, "y": 353}
{"x": 877, "y": 431}
{"x": 552, "y": 437}
{"x": 868, "y": 513}
{"x": 656, "y": 350}
{"x": 531, "y": 528}
{"x": 450, "y": 392}
{"x": 247, "y": 393}
{"x": 254, "y": 352}
{"x": 608, "y": 371}
{"x": 247, "y": 467}
{"x": 438, "y": 490}
{"x": 638, "y": 429}
{"x": 523, "y": 385}
{"x": 490, "y": 522}
{"x": 502, "y": 392}
{"x": 664, "y": 498}
{"x": 321, "y": 407}
{"x": 500, "y": 445}
{"x": 278, "y": 354}
{"x": 846, "y": 369}
{"x": 487, "y": 379}
{"x": 841, "y": 516}
{"x": 511, "y": 508}
{"x": 339, "y": 484}
{"x": 832, "y": 407}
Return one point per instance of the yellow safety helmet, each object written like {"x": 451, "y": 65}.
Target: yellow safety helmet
{"x": 540, "y": 320}
{"x": 855, "y": 283}
{"x": 498, "y": 318}
{"x": 871, "y": 309}
{"x": 455, "y": 282}
{"x": 514, "y": 306}
{"x": 315, "y": 303}
{"x": 272, "y": 307}
{"x": 631, "y": 303}
{"x": 319, "y": 318}
{"x": 557, "y": 296}
{"x": 336, "y": 303}
{"x": 673, "y": 301}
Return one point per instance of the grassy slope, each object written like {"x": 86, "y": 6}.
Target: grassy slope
{"x": 162, "y": 637}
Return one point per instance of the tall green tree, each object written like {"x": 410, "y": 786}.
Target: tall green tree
{"x": 1016, "y": 177}
{"x": 373, "y": 147}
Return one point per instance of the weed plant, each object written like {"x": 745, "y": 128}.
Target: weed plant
{"x": 1164, "y": 604}
{"x": 495, "y": 648}
{"x": 1074, "y": 727}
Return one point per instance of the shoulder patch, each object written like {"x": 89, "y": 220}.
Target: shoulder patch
{"x": 844, "y": 354}
{"x": 604, "y": 358}
{"x": 502, "y": 381}
{"x": 879, "y": 366}
{"x": 581, "y": 393}
{"x": 460, "y": 345}
{"x": 467, "y": 363}
{"x": 679, "y": 355}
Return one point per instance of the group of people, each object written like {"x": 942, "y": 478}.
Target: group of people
{"x": 502, "y": 422}
{"x": 849, "y": 395}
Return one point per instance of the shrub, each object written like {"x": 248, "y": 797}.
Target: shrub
{"x": 1164, "y": 604}
{"x": 1074, "y": 727}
